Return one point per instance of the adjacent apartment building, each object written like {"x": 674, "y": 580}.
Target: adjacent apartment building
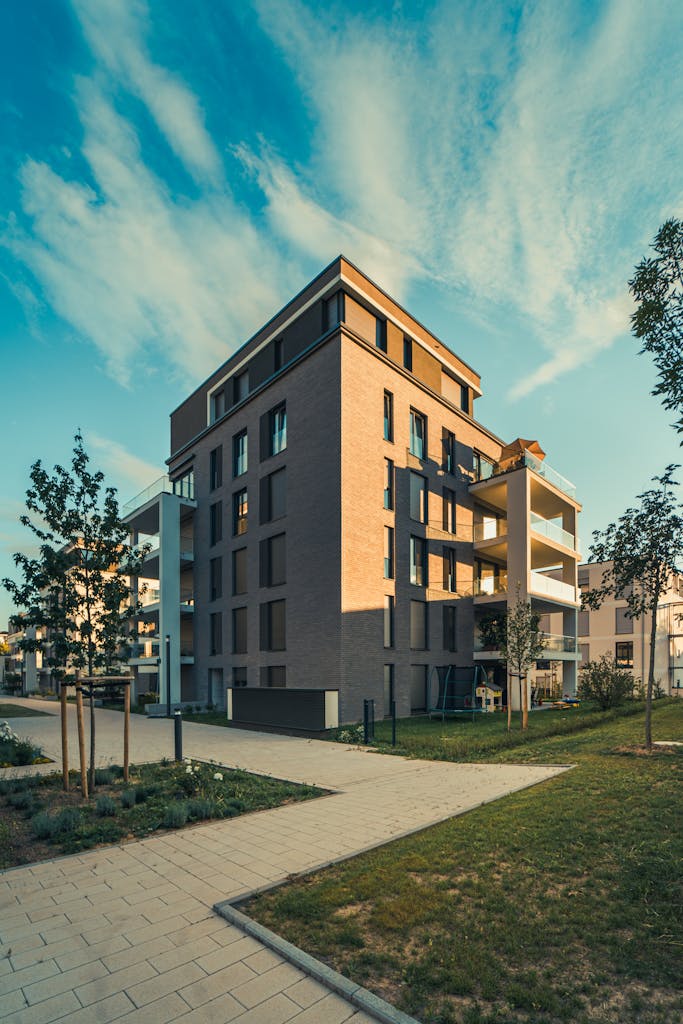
{"x": 334, "y": 517}
{"x": 609, "y": 630}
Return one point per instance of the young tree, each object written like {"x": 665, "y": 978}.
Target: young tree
{"x": 657, "y": 287}
{"x": 642, "y": 549}
{"x": 76, "y": 591}
{"x": 520, "y": 643}
{"x": 604, "y": 682}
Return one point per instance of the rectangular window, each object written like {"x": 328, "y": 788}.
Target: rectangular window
{"x": 407, "y": 352}
{"x": 273, "y": 631}
{"x": 418, "y": 498}
{"x": 274, "y": 431}
{"x": 273, "y": 561}
{"x": 239, "y": 675}
{"x": 239, "y": 571}
{"x": 388, "y": 416}
{"x": 448, "y": 447}
{"x": 216, "y": 630}
{"x": 216, "y": 468}
{"x": 418, "y": 626}
{"x": 240, "y": 385}
{"x": 450, "y": 627}
{"x": 418, "y": 561}
{"x": 217, "y": 405}
{"x": 215, "y": 692}
{"x": 333, "y": 311}
{"x": 388, "y": 553}
{"x": 240, "y": 462}
{"x": 449, "y": 511}
{"x": 465, "y": 398}
{"x": 278, "y": 354}
{"x": 622, "y": 623}
{"x": 274, "y": 496}
{"x": 584, "y": 651}
{"x": 240, "y": 512}
{"x": 239, "y": 631}
{"x": 381, "y": 334}
{"x": 389, "y": 694}
{"x": 388, "y": 621}
{"x": 584, "y": 579}
{"x": 584, "y": 623}
{"x": 216, "y": 522}
{"x": 388, "y": 484}
{"x": 274, "y": 675}
{"x": 482, "y": 467}
{"x": 624, "y": 654}
{"x": 449, "y": 577}
{"x": 418, "y": 434}
{"x": 215, "y": 579}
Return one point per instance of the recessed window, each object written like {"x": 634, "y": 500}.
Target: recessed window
{"x": 388, "y": 553}
{"x": 381, "y": 334}
{"x": 240, "y": 385}
{"x": 418, "y": 434}
{"x": 407, "y": 352}
{"x": 216, "y": 633}
{"x": 388, "y": 484}
{"x": 388, "y": 621}
{"x": 389, "y": 694}
{"x": 239, "y": 631}
{"x": 217, "y": 405}
{"x": 215, "y": 578}
{"x": 418, "y": 561}
{"x": 240, "y": 512}
{"x": 482, "y": 466}
{"x": 449, "y": 579}
{"x": 273, "y": 561}
{"x": 274, "y": 676}
{"x": 274, "y": 496}
{"x": 622, "y": 622}
{"x": 239, "y": 571}
{"x": 278, "y": 354}
{"x": 273, "y": 631}
{"x": 184, "y": 485}
{"x": 388, "y": 416}
{"x": 465, "y": 398}
{"x": 216, "y": 522}
{"x": 624, "y": 654}
{"x": 584, "y": 623}
{"x": 240, "y": 462}
{"x": 418, "y": 626}
{"x": 449, "y": 511}
{"x": 450, "y": 627}
{"x": 239, "y": 675}
{"x": 418, "y": 498}
{"x": 333, "y": 311}
{"x": 448, "y": 446}
{"x": 274, "y": 431}
{"x": 216, "y": 468}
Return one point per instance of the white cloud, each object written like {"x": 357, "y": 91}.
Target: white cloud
{"x": 125, "y": 469}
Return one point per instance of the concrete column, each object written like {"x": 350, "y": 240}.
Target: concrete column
{"x": 169, "y": 593}
{"x": 570, "y": 619}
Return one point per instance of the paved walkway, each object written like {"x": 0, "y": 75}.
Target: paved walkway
{"x": 128, "y": 933}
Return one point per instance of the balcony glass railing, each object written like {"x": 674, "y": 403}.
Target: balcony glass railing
{"x": 150, "y": 596}
{"x": 558, "y": 643}
{"x": 486, "y": 585}
{"x": 552, "y": 531}
{"x": 491, "y": 529}
{"x": 485, "y": 470}
{"x": 184, "y": 487}
{"x": 550, "y": 587}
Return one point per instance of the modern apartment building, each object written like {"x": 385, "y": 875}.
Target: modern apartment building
{"x": 335, "y": 518}
{"x": 609, "y": 630}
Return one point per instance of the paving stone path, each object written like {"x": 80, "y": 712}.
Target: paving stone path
{"x": 128, "y": 933}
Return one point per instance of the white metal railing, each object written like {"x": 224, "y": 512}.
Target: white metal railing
{"x": 551, "y": 587}
{"x": 552, "y": 531}
{"x": 491, "y": 529}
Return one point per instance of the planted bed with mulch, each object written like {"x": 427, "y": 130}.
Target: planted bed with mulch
{"x": 40, "y": 820}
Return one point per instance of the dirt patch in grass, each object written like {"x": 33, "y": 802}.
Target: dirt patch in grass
{"x": 41, "y": 820}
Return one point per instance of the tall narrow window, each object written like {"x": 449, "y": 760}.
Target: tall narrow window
{"x": 450, "y": 627}
{"x": 465, "y": 398}
{"x": 407, "y": 352}
{"x": 239, "y": 631}
{"x": 388, "y": 416}
{"x": 622, "y": 622}
{"x": 624, "y": 654}
{"x": 274, "y": 495}
{"x": 216, "y": 468}
{"x": 215, "y": 579}
{"x": 388, "y": 484}
{"x": 216, "y": 522}
{"x": 448, "y": 445}
{"x": 216, "y": 633}
{"x": 274, "y": 431}
{"x": 240, "y": 462}
{"x": 273, "y": 631}
{"x": 273, "y": 561}
{"x": 381, "y": 334}
{"x": 217, "y": 405}
{"x": 333, "y": 311}
{"x": 449, "y": 581}
{"x": 418, "y": 434}
{"x": 278, "y": 354}
{"x": 418, "y": 561}
{"x": 240, "y": 512}
{"x": 449, "y": 513}
{"x": 388, "y": 621}
{"x": 388, "y": 553}
{"x": 239, "y": 571}
{"x": 389, "y": 695}
{"x": 240, "y": 385}
{"x": 418, "y": 498}
{"x": 418, "y": 626}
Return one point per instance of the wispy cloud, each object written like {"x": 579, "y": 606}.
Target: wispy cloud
{"x": 126, "y": 469}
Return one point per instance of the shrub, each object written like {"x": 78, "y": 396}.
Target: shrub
{"x": 21, "y": 801}
{"x": 103, "y": 776}
{"x": 128, "y": 798}
{"x": 175, "y": 816}
{"x": 200, "y": 810}
{"x": 44, "y": 826}
{"x": 105, "y": 807}
{"x": 67, "y": 820}
{"x": 147, "y": 698}
{"x": 604, "y": 682}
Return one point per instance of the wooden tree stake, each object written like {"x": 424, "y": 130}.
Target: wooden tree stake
{"x": 65, "y": 735}
{"x": 81, "y": 742}
{"x": 126, "y": 730}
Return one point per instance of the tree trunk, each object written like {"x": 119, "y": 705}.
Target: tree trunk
{"x": 509, "y": 702}
{"x": 525, "y": 703}
{"x": 650, "y": 681}
{"x": 91, "y": 780}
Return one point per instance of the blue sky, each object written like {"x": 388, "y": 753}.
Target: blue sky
{"x": 171, "y": 173}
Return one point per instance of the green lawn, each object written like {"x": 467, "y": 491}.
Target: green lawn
{"x": 562, "y": 903}
{"x": 19, "y": 711}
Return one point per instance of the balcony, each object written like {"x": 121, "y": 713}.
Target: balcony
{"x": 150, "y": 596}
{"x": 555, "y": 643}
{"x": 552, "y": 531}
{"x": 164, "y": 485}
{"x": 487, "y": 586}
{"x": 548, "y": 586}
{"x": 490, "y": 530}
{"x": 489, "y": 471}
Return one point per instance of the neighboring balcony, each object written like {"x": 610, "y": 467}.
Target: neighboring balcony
{"x": 491, "y": 586}
{"x": 555, "y": 648}
{"x": 488, "y": 471}
{"x": 553, "y": 532}
{"x": 556, "y": 590}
